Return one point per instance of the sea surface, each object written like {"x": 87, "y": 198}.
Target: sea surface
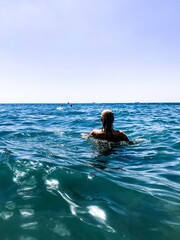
{"x": 56, "y": 184}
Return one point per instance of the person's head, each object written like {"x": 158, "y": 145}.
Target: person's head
{"x": 107, "y": 119}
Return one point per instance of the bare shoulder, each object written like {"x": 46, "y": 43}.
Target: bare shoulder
{"x": 95, "y": 132}
{"x": 121, "y": 132}
{"x": 121, "y": 135}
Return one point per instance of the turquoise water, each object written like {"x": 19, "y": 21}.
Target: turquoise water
{"x": 55, "y": 184}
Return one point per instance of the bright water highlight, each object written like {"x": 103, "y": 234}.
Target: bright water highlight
{"x": 54, "y": 184}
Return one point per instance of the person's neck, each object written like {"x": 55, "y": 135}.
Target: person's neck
{"x": 107, "y": 130}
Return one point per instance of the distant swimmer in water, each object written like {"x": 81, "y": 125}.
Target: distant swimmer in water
{"x": 107, "y": 132}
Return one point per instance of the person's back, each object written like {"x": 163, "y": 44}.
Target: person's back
{"x": 113, "y": 136}
{"x": 107, "y": 132}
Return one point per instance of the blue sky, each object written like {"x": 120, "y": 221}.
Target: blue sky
{"x": 89, "y": 51}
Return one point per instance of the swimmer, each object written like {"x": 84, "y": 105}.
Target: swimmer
{"x": 107, "y": 132}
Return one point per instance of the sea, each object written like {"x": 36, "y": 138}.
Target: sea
{"x": 55, "y": 183}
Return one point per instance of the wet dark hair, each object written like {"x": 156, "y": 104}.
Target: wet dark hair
{"x": 107, "y": 119}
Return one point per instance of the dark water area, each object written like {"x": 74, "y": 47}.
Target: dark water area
{"x": 55, "y": 184}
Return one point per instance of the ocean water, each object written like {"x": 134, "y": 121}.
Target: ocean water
{"x": 55, "y": 184}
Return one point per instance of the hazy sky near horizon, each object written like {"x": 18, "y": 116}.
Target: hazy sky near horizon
{"x": 89, "y": 51}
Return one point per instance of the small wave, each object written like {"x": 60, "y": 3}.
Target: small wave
{"x": 59, "y": 108}
{"x": 139, "y": 140}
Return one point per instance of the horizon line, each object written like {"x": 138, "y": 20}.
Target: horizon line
{"x": 67, "y": 103}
